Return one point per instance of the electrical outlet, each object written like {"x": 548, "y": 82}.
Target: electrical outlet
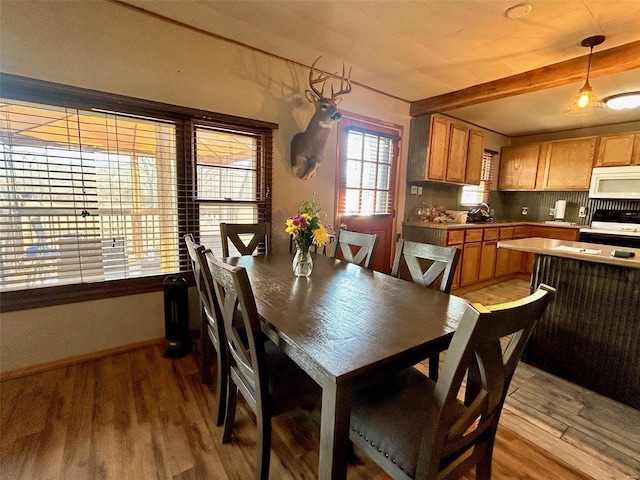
{"x": 582, "y": 212}
{"x": 552, "y": 211}
{"x": 414, "y": 189}
{"x": 419, "y": 190}
{"x": 524, "y": 210}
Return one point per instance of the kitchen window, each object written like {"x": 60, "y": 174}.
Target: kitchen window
{"x": 473, "y": 195}
{"x": 94, "y": 197}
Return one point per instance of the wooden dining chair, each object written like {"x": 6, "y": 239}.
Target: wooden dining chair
{"x": 248, "y": 238}
{"x": 365, "y": 244}
{"x": 270, "y": 382}
{"x": 418, "y": 429}
{"x": 426, "y": 264}
{"x": 212, "y": 327}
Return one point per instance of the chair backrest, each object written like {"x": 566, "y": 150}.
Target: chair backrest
{"x": 246, "y": 237}
{"x": 204, "y": 283}
{"x": 366, "y": 243}
{"x": 246, "y": 352}
{"x": 458, "y": 437}
{"x": 444, "y": 262}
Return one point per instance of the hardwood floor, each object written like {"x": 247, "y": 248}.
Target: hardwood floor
{"x": 138, "y": 415}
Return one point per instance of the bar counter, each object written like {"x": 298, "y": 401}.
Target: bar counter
{"x": 590, "y": 333}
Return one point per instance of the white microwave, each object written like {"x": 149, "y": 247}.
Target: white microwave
{"x": 615, "y": 182}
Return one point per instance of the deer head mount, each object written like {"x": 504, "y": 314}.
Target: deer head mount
{"x": 307, "y": 148}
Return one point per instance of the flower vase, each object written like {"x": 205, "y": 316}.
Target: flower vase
{"x": 302, "y": 262}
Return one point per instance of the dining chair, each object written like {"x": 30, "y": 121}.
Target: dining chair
{"x": 426, "y": 264}
{"x": 270, "y": 382}
{"x": 365, "y": 242}
{"x": 248, "y": 238}
{"x": 418, "y": 429}
{"x": 212, "y": 327}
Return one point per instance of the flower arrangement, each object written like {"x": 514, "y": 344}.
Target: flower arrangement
{"x": 306, "y": 230}
{"x": 306, "y": 227}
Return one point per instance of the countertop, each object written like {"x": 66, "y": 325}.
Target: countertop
{"x": 575, "y": 250}
{"x": 446, "y": 226}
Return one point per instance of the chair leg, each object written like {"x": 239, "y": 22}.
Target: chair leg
{"x": 434, "y": 366}
{"x": 223, "y": 385}
{"x": 263, "y": 442}
{"x": 483, "y": 467}
{"x": 229, "y": 420}
{"x": 207, "y": 353}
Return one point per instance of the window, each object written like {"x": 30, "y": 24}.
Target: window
{"x": 476, "y": 194}
{"x": 368, "y": 174}
{"x": 90, "y": 195}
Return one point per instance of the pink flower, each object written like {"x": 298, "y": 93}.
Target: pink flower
{"x": 300, "y": 222}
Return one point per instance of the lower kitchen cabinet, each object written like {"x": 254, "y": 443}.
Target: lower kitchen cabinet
{"x": 471, "y": 255}
{"x": 488, "y": 260}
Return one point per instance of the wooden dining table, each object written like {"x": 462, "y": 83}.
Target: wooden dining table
{"x": 346, "y": 326}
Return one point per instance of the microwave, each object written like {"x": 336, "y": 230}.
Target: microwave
{"x": 615, "y": 182}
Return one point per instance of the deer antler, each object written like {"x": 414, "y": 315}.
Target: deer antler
{"x": 343, "y": 80}
{"x": 320, "y": 79}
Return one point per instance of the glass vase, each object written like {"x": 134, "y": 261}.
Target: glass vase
{"x": 302, "y": 262}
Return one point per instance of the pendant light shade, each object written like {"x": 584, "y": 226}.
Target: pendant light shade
{"x": 586, "y": 102}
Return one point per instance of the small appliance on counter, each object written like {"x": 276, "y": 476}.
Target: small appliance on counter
{"x": 481, "y": 214}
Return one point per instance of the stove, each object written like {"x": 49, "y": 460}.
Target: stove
{"x": 613, "y": 227}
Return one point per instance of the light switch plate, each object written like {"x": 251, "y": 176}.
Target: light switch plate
{"x": 419, "y": 190}
{"x": 414, "y": 189}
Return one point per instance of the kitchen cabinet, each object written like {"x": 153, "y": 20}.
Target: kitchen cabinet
{"x": 456, "y": 238}
{"x": 488, "y": 253}
{"x": 517, "y": 258}
{"x": 441, "y": 150}
{"x": 518, "y": 167}
{"x": 618, "y": 150}
{"x": 568, "y": 164}
{"x": 475, "y": 153}
{"x": 503, "y": 256}
{"x": 471, "y": 257}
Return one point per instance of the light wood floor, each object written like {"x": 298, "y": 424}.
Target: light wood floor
{"x": 138, "y": 415}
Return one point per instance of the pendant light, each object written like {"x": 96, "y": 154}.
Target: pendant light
{"x": 586, "y": 102}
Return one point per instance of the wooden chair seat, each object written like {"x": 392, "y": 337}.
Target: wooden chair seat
{"x": 415, "y": 428}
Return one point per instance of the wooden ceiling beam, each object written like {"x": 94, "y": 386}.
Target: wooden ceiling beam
{"x": 607, "y": 62}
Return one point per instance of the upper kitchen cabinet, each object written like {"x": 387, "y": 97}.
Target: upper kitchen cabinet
{"x": 441, "y": 150}
{"x": 618, "y": 150}
{"x": 568, "y": 164}
{"x": 519, "y": 167}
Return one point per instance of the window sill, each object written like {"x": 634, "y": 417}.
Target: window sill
{"x": 64, "y": 294}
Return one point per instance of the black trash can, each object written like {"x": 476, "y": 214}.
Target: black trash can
{"x": 176, "y": 316}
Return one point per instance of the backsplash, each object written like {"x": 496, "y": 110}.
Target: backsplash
{"x": 433, "y": 194}
{"x": 508, "y": 205}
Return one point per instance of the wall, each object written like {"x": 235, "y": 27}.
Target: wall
{"x": 107, "y": 47}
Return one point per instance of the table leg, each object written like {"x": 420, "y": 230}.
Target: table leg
{"x": 334, "y": 431}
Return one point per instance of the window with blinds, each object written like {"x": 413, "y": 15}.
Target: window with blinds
{"x": 368, "y": 174}
{"x": 89, "y": 195}
{"x": 84, "y": 196}
{"x": 473, "y": 195}
{"x": 232, "y": 180}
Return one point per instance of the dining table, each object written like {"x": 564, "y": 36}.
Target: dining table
{"x": 347, "y": 326}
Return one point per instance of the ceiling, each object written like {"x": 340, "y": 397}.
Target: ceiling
{"x": 415, "y": 50}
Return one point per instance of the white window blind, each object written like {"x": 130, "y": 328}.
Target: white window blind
{"x": 85, "y": 196}
{"x": 473, "y": 195}
{"x": 368, "y": 179}
{"x": 233, "y": 178}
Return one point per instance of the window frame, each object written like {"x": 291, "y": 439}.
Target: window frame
{"x": 38, "y": 91}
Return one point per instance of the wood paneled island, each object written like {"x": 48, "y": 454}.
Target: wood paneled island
{"x": 590, "y": 334}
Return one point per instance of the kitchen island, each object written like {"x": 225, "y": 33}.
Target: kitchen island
{"x": 590, "y": 333}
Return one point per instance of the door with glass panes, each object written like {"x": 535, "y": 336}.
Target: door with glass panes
{"x": 367, "y": 162}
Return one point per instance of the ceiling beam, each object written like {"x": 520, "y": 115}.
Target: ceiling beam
{"x": 607, "y": 62}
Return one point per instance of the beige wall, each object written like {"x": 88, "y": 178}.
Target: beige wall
{"x": 107, "y": 47}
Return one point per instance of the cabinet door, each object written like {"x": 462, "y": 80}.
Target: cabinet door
{"x": 488, "y": 260}
{"x": 457, "y": 159}
{"x": 615, "y": 150}
{"x": 475, "y": 152}
{"x": 503, "y": 262}
{"x": 518, "y": 167}
{"x": 438, "y": 148}
{"x": 569, "y": 164}
{"x": 470, "y": 263}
